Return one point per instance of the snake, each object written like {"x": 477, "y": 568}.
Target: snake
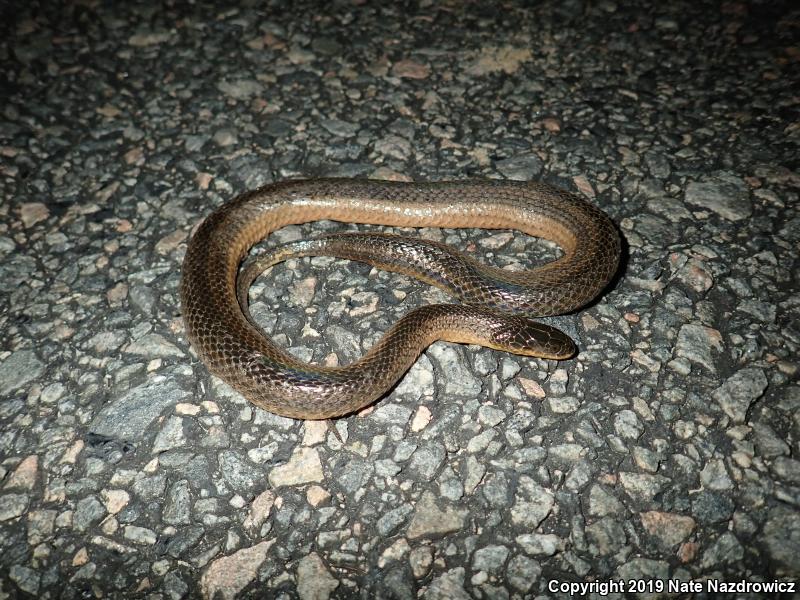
{"x": 495, "y": 305}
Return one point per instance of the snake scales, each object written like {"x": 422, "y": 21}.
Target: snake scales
{"x": 236, "y": 350}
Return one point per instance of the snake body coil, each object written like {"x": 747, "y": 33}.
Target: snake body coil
{"x": 237, "y": 351}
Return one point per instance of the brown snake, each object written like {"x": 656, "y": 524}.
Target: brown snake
{"x": 236, "y": 350}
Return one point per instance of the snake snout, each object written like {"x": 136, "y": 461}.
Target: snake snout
{"x": 521, "y": 335}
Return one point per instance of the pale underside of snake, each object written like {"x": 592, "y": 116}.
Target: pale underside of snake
{"x": 495, "y": 304}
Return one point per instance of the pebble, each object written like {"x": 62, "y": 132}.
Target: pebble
{"x": 458, "y": 381}
{"x": 722, "y": 193}
{"x": 711, "y": 507}
{"x": 563, "y": 404}
{"x": 177, "y": 506}
{"x": 642, "y": 486}
{"x": 669, "y": 529}
{"x": 490, "y": 558}
{"x": 429, "y": 520}
{"x": 24, "y": 476}
{"x": 170, "y": 437}
{"x": 726, "y": 549}
{"x": 18, "y": 370}
{"x": 128, "y": 417}
{"x": 782, "y": 538}
{"x": 739, "y": 391}
{"x": 88, "y": 511}
{"x": 314, "y": 581}
{"x": 700, "y": 345}
{"x": 448, "y": 586}
{"x": 543, "y": 544}
{"x": 427, "y": 459}
{"x": 532, "y": 503}
{"x": 13, "y": 506}
{"x": 392, "y": 520}
{"x": 228, "y": 575}
{"x": 303, "y": 467}
{"x": 714, "y": 476}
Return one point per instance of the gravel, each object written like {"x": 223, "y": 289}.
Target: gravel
{"x": 667, "y": 450}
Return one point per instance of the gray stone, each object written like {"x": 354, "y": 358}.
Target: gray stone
{"x": 606, "y": 536}
{"x": 724, "y": 194}
{"x": 448, "y": 586}
{"x": 451, "y": 489}
{"x": 481, "y": 442}
{"x": 304, "y": 466}
{"x": 627, "y": 425}
{"x": 27, "y": 579}
{"x": 171, "y": 435}
{"x": 523, "y": 572}
{"x": 240, "y": 89}
{"x": 458, "y": 380}
{"x": 239, "y": 472}
{"x": 339, "y": 128}
{"x": 151, "y": 488}
{"x": 154, "y": 345}
{"x": 642, "y": 486}
{"x": 782, "y": 539}
{"x": 646, "y": 459}
{"x": 314, "y": 581}
{"x": 354, "y": 474}
{"x": 12, "y": 505}
{"x": 490, "y": 415}
{"x": 578, "y": 476}
{"x": 184, "y": 540}
{"x": 566, "y": 454}
{"x": 540, "y": 544}
{"x": 87, "y": 512}
{"x": 532, "y": 503}
{"x": 644, "y": 569}
{"x": 563, "y": 404}
{"x": 418, "y": 382}
{"x": 18, "y": 370}
{"x": 392, "y": 520}
{"x": 710, "y": 507}
{"x": 427, "y": 460}
{"x": 497, "y": 491}
{"x": 421, "y": 559}
{"x": 490, "y": 558}
{"x": 431, "y": 521}
{"x": 739, "y": 391}
{"x": 397, "y": 584}
{"x": 603, "y": 503}
{"x": 140, "y": 535}
{"x": 392, "y": 414}
{"x": 714, "y": 476}
{"x": 787, "y": 469}
{"x": 474, "y": 471}
{"x": 177, "y": 508}
{"x": 386, "y": 467}
{"x": 40, "y": 525}
{"x": 767, "y": 441}
{"x": 522, "y": 167}
{"x": 128, "y": 417}
{"x": 699, "y": 344}
{"x": 175, "y": 587}
{"x": 725, "y": 550}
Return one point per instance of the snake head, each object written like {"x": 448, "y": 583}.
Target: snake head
{"x": 521, "y": 335}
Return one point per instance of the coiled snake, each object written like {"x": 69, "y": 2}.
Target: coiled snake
{"x": 236, "y": 350}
